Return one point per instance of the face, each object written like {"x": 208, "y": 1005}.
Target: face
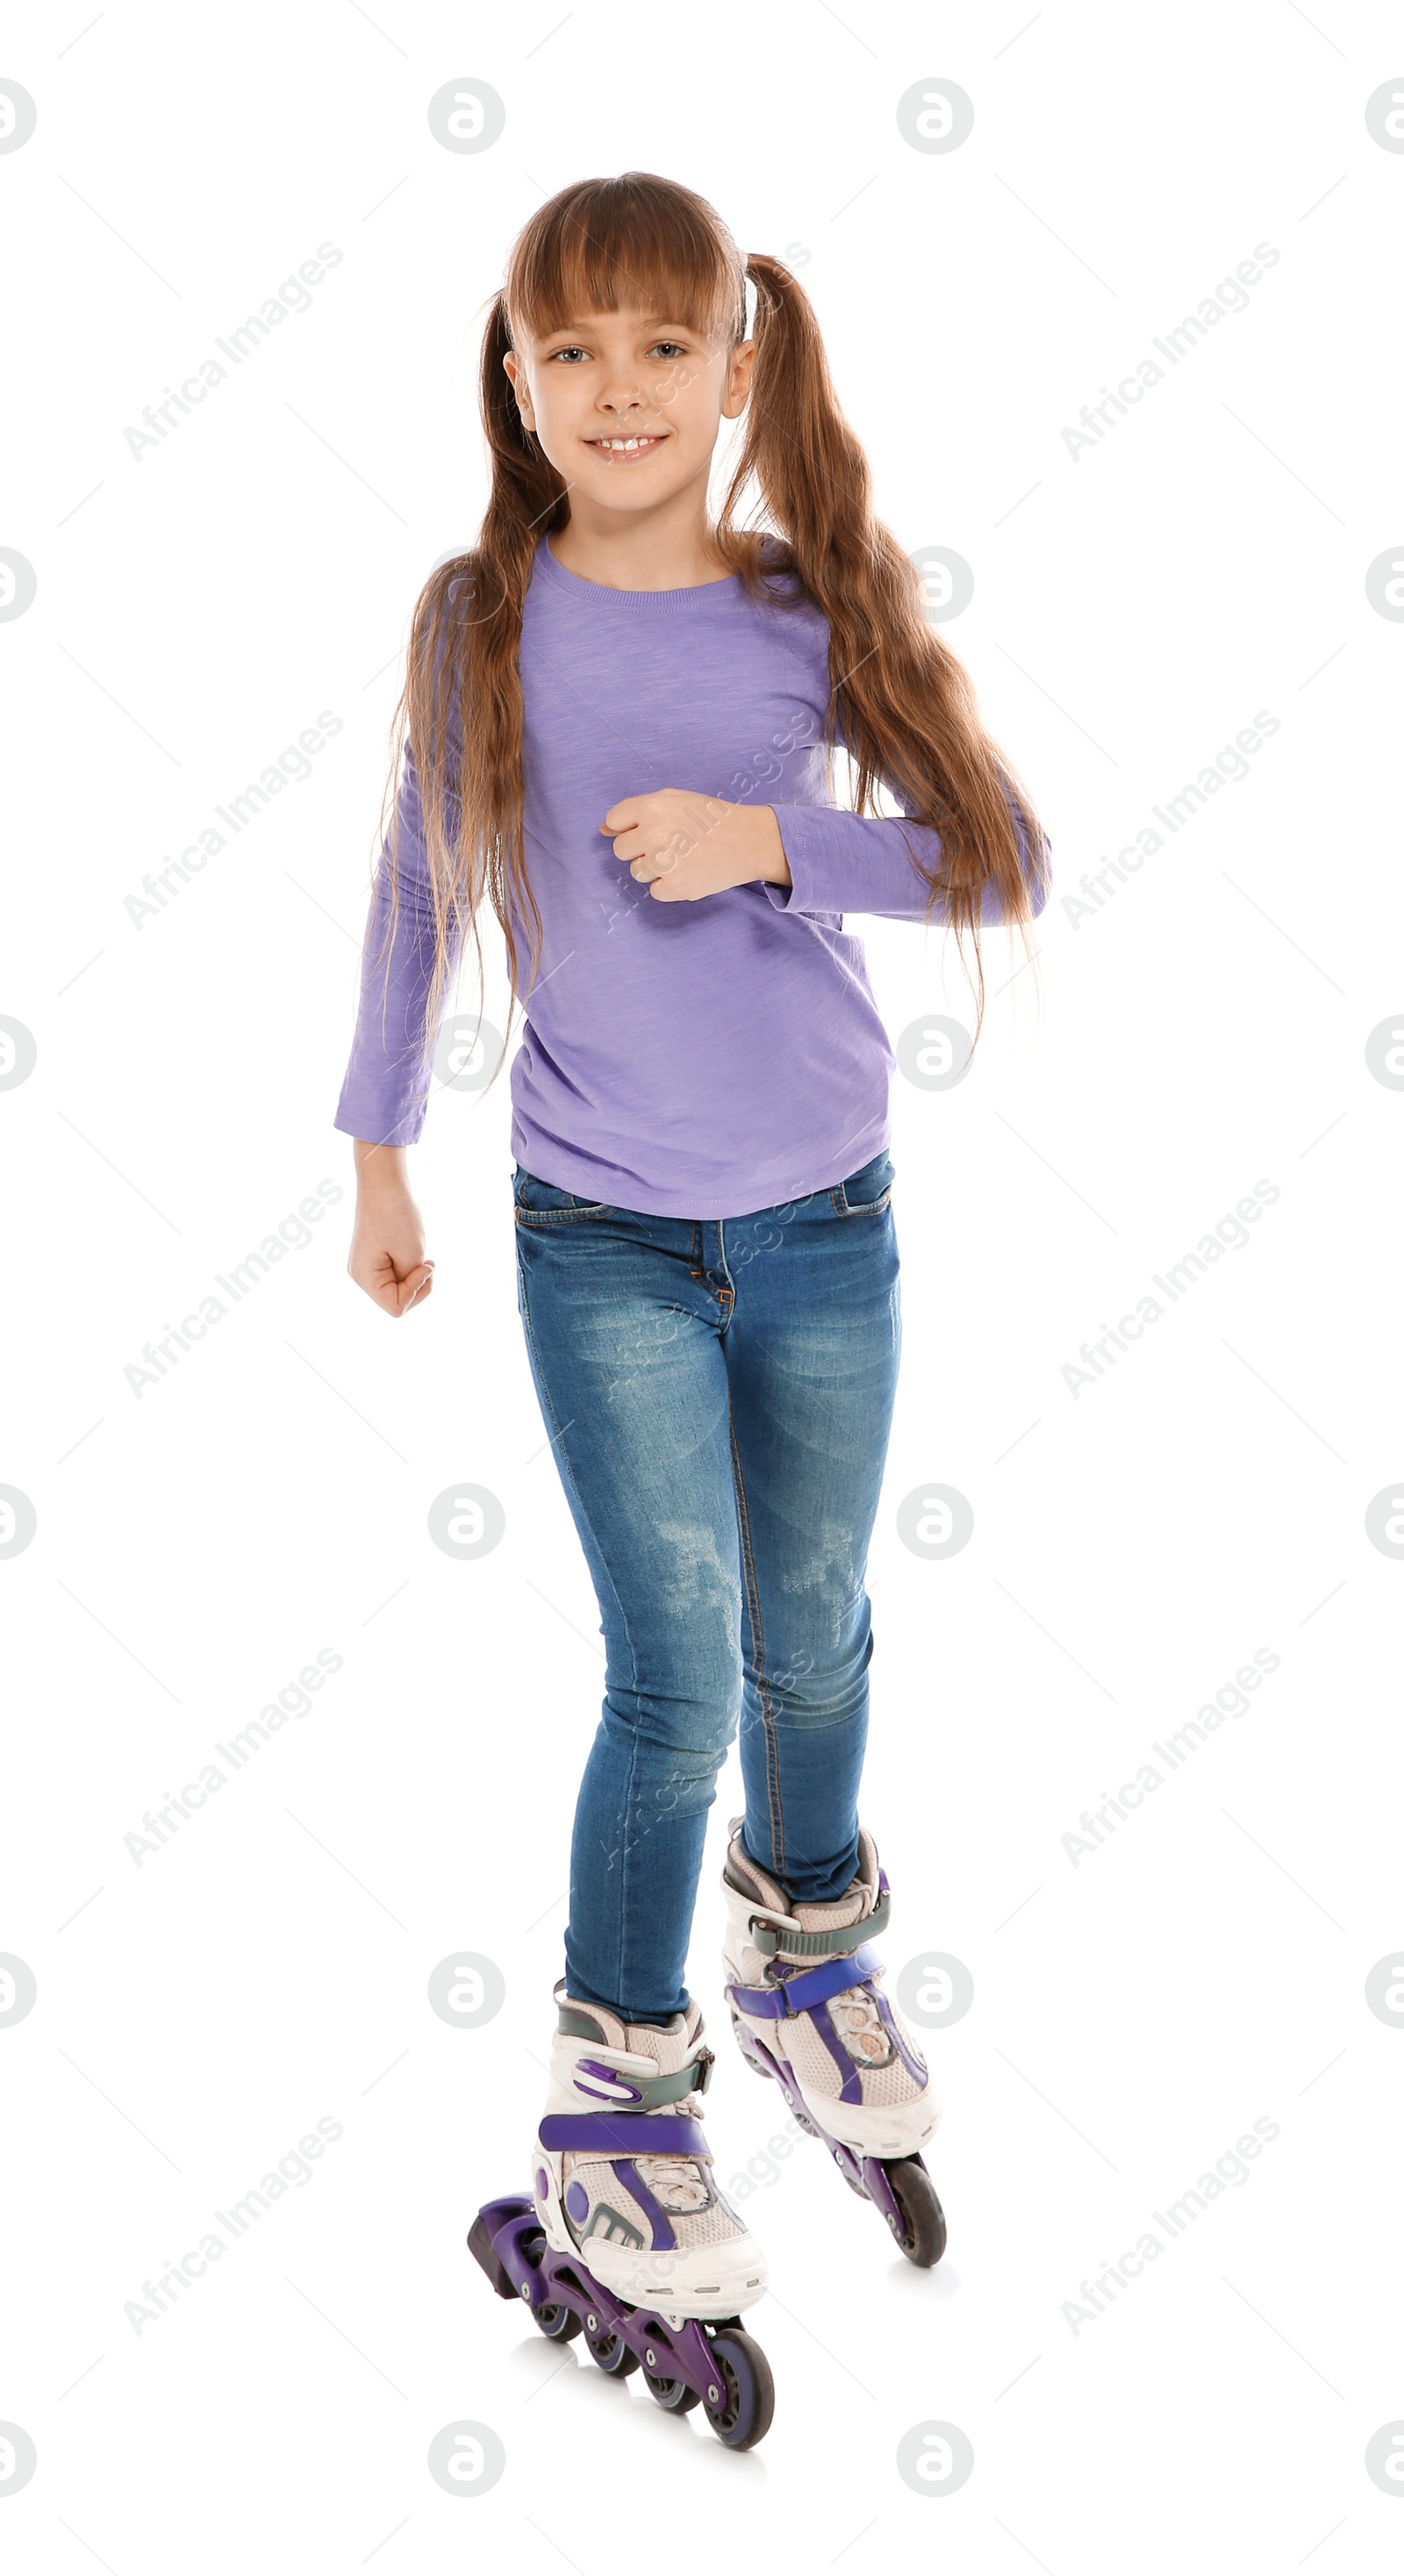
{"x": 628, "y": 405}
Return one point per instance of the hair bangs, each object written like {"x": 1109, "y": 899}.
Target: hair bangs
{"x": 629, "y": 244}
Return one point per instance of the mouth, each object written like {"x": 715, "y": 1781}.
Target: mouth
{"x": 625, "y": 451}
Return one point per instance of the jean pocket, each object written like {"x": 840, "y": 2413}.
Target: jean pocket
{"x": 541, "y": 1203}
{"x": 867, "y": 1192}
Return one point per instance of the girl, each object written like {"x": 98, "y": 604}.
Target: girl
{"x": 620, "y": 715}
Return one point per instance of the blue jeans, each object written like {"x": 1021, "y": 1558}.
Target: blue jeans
{"x": 718, "y": 1393}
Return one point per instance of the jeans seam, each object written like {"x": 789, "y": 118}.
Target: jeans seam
{"x": 568, "y": 1479}
{"x": 772, "y": 1748}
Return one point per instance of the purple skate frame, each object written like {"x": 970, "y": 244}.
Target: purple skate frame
{"x": 867, "y": 2174}
{"x": 561, "y": 2280}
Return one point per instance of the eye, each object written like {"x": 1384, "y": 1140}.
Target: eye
{"x": 673, "y": 348}
{"x": 572, "y": 352}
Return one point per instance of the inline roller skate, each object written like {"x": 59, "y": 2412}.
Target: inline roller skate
{"x": 808, "y": 2009}
{"x": 627, "y": 2237}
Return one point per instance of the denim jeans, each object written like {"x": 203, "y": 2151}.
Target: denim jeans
{"x": 718, "y": 1394}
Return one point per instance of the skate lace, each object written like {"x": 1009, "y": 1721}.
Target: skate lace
{"x": 677, "y": 2183}
{"x": 860, "y": 2025}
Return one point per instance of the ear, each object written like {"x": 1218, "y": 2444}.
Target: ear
{"x": 516, "y": 377}
{"x": 738, "y": 380}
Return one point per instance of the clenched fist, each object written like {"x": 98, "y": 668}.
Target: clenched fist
{"x": 682, "y": 845}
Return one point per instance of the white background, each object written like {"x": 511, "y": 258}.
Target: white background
{"x": 1134, "y": 1544}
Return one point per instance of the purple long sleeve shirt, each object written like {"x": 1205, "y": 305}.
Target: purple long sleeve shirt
{"x": 684, "y": 1059}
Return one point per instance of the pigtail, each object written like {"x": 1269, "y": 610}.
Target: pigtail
{"x": 461, "y": 705}
{"x": 899, "y": 699}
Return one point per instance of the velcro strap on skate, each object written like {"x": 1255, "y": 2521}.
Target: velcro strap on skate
{"x": 625, "y": 2133}
{"x": 773, "y": 2001}
{"x": 694, "y": 2077}
{"x": 600, "y": 2081}
{"x": 768, "y": 1938}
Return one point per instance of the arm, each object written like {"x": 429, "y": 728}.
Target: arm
{"x": 387, "y": 1079}
{"x": 811, "y": 859}
{"x": 842, "y": 862}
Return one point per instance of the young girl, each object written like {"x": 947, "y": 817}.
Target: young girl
{"x": 620, "y": 715}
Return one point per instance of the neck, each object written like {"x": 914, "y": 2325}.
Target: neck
{"x": 670, "y": 548}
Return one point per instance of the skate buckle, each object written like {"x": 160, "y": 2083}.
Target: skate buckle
{"x": 766, "y": 1931}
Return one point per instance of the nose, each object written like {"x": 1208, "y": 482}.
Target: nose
{"x": 618, "y": 401}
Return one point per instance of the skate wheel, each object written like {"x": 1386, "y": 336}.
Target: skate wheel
{"x": 752, "y": 2061}
{"x": 674, "y": 2394}
{"x": 799, "y": 2112}
{"x": 848, "y": 2178}
{"x": 558, "y": 2323}
{"x": 610, "y": 2353}
{"x": 923, "y": 2237}
{"x": 740, "y": 2410}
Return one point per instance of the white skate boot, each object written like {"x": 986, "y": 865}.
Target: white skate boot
{"x": 809, "y": 2009}
{"x": 626, "y": 2233}
{"x": 623, "y": 2170}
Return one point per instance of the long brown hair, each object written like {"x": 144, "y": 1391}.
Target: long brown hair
{"x": 907, "y": 708}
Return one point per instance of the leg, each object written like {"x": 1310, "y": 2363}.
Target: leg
{"x": 622, "y": 1336}
{"x": 812, "y": 1354}
{"x": 812, "y": 1359}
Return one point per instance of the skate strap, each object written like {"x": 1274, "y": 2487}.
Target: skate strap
{"x": 772, "y": 2002}
{"x": 626, "y": 2133}
{"x": 602, "y": 2082}
{"x": 841, "y": 1942}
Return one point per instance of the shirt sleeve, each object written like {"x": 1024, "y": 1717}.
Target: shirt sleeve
{"x": 844, "y": 862}
{"x": 387, "y": 1080}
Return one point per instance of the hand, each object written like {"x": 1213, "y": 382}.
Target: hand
{"x": 684, "y": 845}
{"x": 387, "y": 1239}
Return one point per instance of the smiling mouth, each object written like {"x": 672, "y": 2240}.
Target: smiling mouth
{"x": 625, "y": 451}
